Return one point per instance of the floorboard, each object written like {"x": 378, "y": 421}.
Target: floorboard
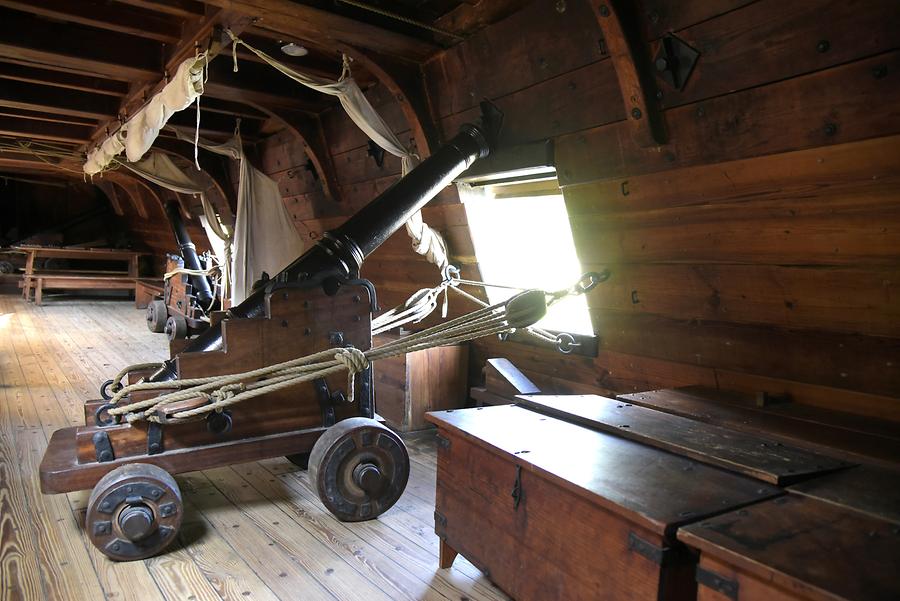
{"x": 252, "y": 531}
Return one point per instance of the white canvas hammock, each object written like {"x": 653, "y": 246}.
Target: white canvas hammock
{"x": 265, "y": 239}
{"x": 159, "y": 169}
{"x": 425, "y": 240}
{"x": 137, "y": 135}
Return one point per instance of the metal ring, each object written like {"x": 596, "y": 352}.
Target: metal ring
{"x": 565, "y": 343}
{"x": 113, "y": 419}
{"x": 590, "y": 280}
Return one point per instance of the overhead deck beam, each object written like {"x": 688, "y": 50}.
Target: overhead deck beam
{"x": 41, "y": 130}
{"x": 310, "y": 23}
{"x": 178, "y": 8}
{"x": 42, "y": 43}
{"x": 102, "y": 15}
{"x": 96, "y": 85}
{"x": 41, "y": 116}
{"x": 17, "y": 94}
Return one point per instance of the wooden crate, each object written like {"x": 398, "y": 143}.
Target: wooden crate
{"x": 796, "y": 548}
{"x": 552, "y": 510}
{"x": 410, "y": 385}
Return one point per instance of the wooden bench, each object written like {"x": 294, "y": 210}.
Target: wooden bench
{"x": 35, "y": 280}
{"x": 37, "y": 283}
{"x": 145, "y": 290}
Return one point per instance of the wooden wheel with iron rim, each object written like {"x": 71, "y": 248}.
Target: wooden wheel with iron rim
{"x": 176, "y": 327}
{"x": 134, "y": 512}
{"x": 359, "y": 468}
{"x": 156, "y": 316}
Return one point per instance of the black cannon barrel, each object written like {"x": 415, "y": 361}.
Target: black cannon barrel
{"x": 189, "y": 254}
{"x": 340, "y": 252}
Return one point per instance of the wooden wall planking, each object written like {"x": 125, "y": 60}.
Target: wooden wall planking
{"x": 756, "y": 250}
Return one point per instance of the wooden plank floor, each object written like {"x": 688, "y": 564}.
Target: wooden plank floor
{"x": 251, "y": 531}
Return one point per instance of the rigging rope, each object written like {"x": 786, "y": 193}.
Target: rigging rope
{"x": 220, "y": 392}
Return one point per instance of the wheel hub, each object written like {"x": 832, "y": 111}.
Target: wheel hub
{"x": 368, "y": 477}
{"x": 137, "y": 522}
{"x": 134, "y": 512}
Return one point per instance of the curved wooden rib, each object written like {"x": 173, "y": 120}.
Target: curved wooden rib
{"x": 308, "y": 129}
{"x": 407, "y": 86}
{"x": 636, "y": 84}
{"x": 127, "y": 185}
{"x": 110, "y": 191}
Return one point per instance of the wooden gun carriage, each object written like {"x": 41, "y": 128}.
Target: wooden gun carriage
{"x": 359, "y": 467}
{"x": 188, "y": 299}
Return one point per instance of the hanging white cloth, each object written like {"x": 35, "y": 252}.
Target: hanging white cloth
{"x": 265, "y": 239}
{"x": 137, "y": 135}
{"x": 158, "y": 168}
{"x": 425, "y": 241}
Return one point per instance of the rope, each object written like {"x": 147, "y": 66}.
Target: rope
{"x": 221, "y": 392}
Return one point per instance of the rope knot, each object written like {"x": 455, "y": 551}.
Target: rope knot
{"x": 353, "y": 359}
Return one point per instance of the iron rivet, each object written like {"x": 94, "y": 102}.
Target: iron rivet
{"x": 356, "y": 298}
{"x": 879, "y": 71}
{"x": 307, "y": 331}
{"x": 604, "y": 10}
{"x": 284, "y": 323}
{"x": 654, "y": 17}
{"x": 830, "y": 129}
{"x": 636, "y": 113}
{"x": 560, "y": 6}
{"x": 823, "y": 46}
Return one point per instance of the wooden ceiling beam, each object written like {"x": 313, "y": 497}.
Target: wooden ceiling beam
{"x": 227, "y": 107}
{"x": 60, "y": 79}
{"x": 48, "y": 117}
{"x": 260, "y": 85}
{"x": 309, "y": 23}
{"x": 29, "y": 96}
{"x": 43, "y": 43}
{"x": 179, "y": 8}
{"x": 41, "y": 130}
{"x": 94, "y": 13}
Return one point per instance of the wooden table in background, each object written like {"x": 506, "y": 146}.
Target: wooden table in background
{"x": 77, "y": 279}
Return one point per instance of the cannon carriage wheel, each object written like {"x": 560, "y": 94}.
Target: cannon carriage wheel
{"x": 359, "y": 468}
{"x": 157, "y": 313}
{"x": 134, "y": 512}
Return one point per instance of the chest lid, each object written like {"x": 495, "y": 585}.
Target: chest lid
{"x": 814, "y": 549}
{"x": 653, "y": 488}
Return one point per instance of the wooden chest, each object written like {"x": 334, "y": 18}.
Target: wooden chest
{"x": 552, "y": 510}
{"x": 796, "y": 548}
{"x": 410, "y": 385}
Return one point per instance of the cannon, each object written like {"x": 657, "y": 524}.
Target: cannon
{"x": 188, "y": 298}
{"x": 359, "y": 467}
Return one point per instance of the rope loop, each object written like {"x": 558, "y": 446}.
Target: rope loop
{"x": 353, "y": 359}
